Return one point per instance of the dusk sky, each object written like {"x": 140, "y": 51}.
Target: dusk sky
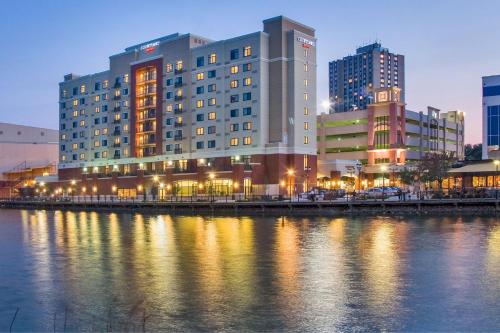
{"x": 448, "y": 45}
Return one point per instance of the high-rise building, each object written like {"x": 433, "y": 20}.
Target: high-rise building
{"x": 491, "y": 117}
{"x": 236, "y": 115}
{"x": 353, "y": 79}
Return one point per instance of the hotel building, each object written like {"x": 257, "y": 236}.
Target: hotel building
{"x": 184, "y": 113}
{"x": 491, "y": 117}
{"x": 353, "y": 79}
{"x": 386, "y": 134}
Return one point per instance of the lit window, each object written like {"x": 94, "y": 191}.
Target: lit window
{"x": 234, "y": 142}
{"x": 97, "y": 98}
{"x": 200, "y": 131}
{"x": 247, "y": 51}
{"x": 306, "y": 111}
{"x": 247, "y": 81}
{"x": 82, "y": 156}
{"x": 212, "y": 59}
{"x": 125, "y": 128}
{"x": 97, "y": 132}
{"x": 247, "y": 140}
{"x": 306, "y": 125}
{"x": 306, "y": 68}
{"x": 306, "y": 140}
{"x": 97, "y": 143}
{"x": 234, "y": 84}
{"x": 82, "y": 123}
{"x": 169, "y": 108}
{"x": 75, "y": 113}
{"x": 234, "y": 69}
{"x": 179, "y": 65}
{"x": 169, "y": 68}
{"x": 212, "y": 101}
{"x": 104, "y": 154}
{"x": 306, "y": 82}
{"x": 82, "y": 112}
{"x": 212, "y": 116}
{"x": 200, "y": 76}
{"x": 105, "y": 84}
{"x": 125, "y": 78}
{"x": 199, "y": 103}
{"x": 63, "y": 137}
{"x": 82, "y": 89}
{"x": 247, "y": 125}
{"x": 306, "y": 96}
{"x": 97, "y": 109}
{"x": 104, "y": 131}
{"x": 74, "y": 146}
{"x": 75, "y": 102}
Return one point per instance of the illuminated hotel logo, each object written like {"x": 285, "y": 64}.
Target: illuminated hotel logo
{"x": 149, "y": 47}
{"x": 305, "y": 42}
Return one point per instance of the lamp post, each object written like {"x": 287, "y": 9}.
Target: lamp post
{"x": 384, "y": 169}
{"x": 211, "y": 176}
{"x": 496, "y": 162}
{"x": 290, "y": 173}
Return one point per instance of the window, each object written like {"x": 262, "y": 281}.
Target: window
{"x": 200, "y": 117}
{"x": 306, "y": 140}
{"x": 234, "y": 113}
{"x": 200, "y": 76}
{"x": 199, "y": 145}
{"x": 168, "y": 68}
{"x": 234, "y": 127}
{"x": 235, "y": 98}
{"x": 247, "y": 126}
{"x": 170, "y": 121}
{"x": 212, "y": 58}
{"x": 200, "y": 90}
{"x": 235, "y": 54}
{"x": 247, "y": 67}
{"x": 306, "y": 96}
{"x": 125, "y": 78}
{"x": 233, "y": 142}
{"x": 82, "y": 123}
{"x": 211, "y": 144}
{"x": 247, "y": 81}
{"x": 97, "y": 143}
{"x": 247, "y": 51}
{"x": 306, "y": 125}
{"x": 82, "y": 89}
{"x": 247, "y": 96}
{"x": 169, "y": 134}
{"x": 63, "y": 147}
{"x": 105, "y": 83}
{"x": 247, "y": 140}
{"x": 212, "y": 87}
{"x": 168, "y": 148}
{"x": 199, "y": 103}
{"x": 306, "y": 82}
{"x": 75, "y": 102}
{"x": 97, "y": 132}
{"x": 74, "y": 146}
{"x": 96, "y": 121}
{"x": 97, "y": 98}
{"x": 97, "y": 86}
{"x": 200, "y": 61}
{"x": 75, "y": 113}
{"x": 211, "y": 74}
{"x": 82, "y": 156}
{"x": 97, "y": 109}
{"x": 212, "y": 116}
{"x": 234, "y": 69}
{"x": 211, "y": 129}
{"x": 306, "y": 68}
{"x": 247, "y": 111}
{"x": 169, "y": 82}
{"x": 212, "y": 101}
{"x": 234, "y": 84}
{"x": 179, "y": 65}
{"x": 306, "y": 111}
{"x": 200, "y": 131}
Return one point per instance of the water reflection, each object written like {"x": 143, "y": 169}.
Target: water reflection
{"x": 215, "y": 273}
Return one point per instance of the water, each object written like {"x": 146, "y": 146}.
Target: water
{"x": 99, "y": 271}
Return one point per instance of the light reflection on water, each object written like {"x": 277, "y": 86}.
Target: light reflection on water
{"x": 242, "y": 273}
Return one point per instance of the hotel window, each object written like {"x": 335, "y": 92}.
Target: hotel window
{"x": 82, "y": 156}
{"x": 306, "y": 82}
{"x": 234, "y": 69}
{"x": 235, "y": 54}
{"x": 212, "y": 58}
{"x": 211, "y": 129}
{"x": 233, "y": 142}
{"x": 97, "y": 98}
{"x": 234, "y": 98}
{"x": 306, "y": 111}
{"x": 75, "y": 113}
{"x": 105, "y": 131}
{"x": 247, "y": 67}
{"x": 306, "y": 53}
{"x": 200, "y": 117}
{"x": 200, "y": 61}
{"x": 125, "y": 78}
{"x": 306, "y": 96}
{"x": 125, "y": 151}
{"x": 247, "y": 81}
{"x": 200, "y": 76}
{"x": 82, "y": 123}
{"x": 74, "y": 146}
{"x": 234, "y": 113}
{"x": 82, "y": 112}
{"x": 200, "y": 90}
{"x": 234, "y": 127}
{"x": 200, "y": 131}
{"x": 211, "y": 74}
{"x": 212, "y": 116}
{"x": 212, "y": 101}
{"x": 169, "y": 108}
{"x": 199, "y": 103}
{"x": 97, "y": 109}
{"x": 247, "y": 140}
{"x": 75, "y": 102}
{"x": 63, "y": 137}
{"x": 63, "y": 158}
{"x": 212, "y": 87}
{"x": 97, "y": 132}
{"x": 234, "y": 84}
{"x": 104, "y": 154}
{"x": 306, "y": 125}
{"x": 199, "y": 144}
{"x": 306, "y": 140}
{"x": 97, "y": 143}
{"x": 247, "y": 96}
{"x": 306, "y": 162}
{"x": 247, "y": 51}
{"x": 82, "y": 89}
{"x": 125, "y": 128}
{"x": 306, "y": 68}
{"x": 179, "y": 65}
{"x": 247, "y": 126}
{"x": 168, "y": 68}
{"x": 247, "y": 111}
{"x": 211, "y": 143}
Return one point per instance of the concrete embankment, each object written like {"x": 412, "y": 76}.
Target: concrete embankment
{"x": 334, "y": 208}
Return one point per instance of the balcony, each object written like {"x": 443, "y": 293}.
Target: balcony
{"x": 116, "y": 145}
{"x": 178, "y": 151}
{"x": 178, "y": 138}
{"x": 178, "y": 84}
{"x": 116, "y": 133}
{"x": 147, "y": 104}
{"x": 184, "y": 170}
{"x": 147, "y": 77}
{"x": 178, "y": 98}
{"x": 177, "y": 124}
{"x": 117, "y": 97}
{"x": 117, "y": 121}
{"x": 146, "y": 129}
{"x": 117, "y": 109}
{"x": 179, "y": 71}
{"x": 178, "y": 111}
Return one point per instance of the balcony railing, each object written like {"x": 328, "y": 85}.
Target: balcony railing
{"x": 117, "y": 97}
{"x": 177, "y": 124}
{"x": 116, "y": 145}
{"x": 117, "y": 109}
{"x": 178, "y": 84}
{"x": 116, "y": 121}
{"x": 116, "y": 133}
{"x": 178, "y": 138}
{"x": 178, "y": 111}
{"x": 178, "y": 151}
{"x": 179, "y": 71}
{"x": 178, "y": 98}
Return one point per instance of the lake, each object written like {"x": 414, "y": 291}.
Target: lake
{"x": 89, "y": 271}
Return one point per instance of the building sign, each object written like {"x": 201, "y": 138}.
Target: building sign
{"x": 149, "y": 47}
{"x": 306, "y": 43}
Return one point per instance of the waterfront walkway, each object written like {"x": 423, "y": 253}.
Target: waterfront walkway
{"x": 302, "y": 207}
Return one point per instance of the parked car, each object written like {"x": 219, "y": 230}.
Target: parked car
{"x": 374, "y": 193}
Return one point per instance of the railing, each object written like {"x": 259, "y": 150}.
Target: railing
{"x": 178, "y": 151}
{"x": 178, "y": 138}
{"x": 117, "y": 109}
{"x": 178, "y": 111}
{"x": 179, "y": 71}
{"x": 116, "y": 133}
{"x": 177, "y": 124}
{"x": 178, "y": 98}
{"x": 178, "y": 84}
{"x": 117, "y": 97}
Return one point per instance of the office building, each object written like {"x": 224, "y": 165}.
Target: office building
{"x": 491, "y": 117}
{"x": 25, "y": 153}
{"x": 235, "y": 115}
{"x": 353, "y": 79}
{"x": 387, "y": 134}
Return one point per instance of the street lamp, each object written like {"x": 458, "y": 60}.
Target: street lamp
{"x": 384, "y": 169}
{"x": 290, "y": 174}
{"x": 211, "y": 176}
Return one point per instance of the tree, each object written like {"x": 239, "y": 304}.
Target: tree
{"x": 473, "y": 152}
{"x": 435, "y": 166}
{"x": 349, "y": 181}
{"x": 408, "y": 175}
